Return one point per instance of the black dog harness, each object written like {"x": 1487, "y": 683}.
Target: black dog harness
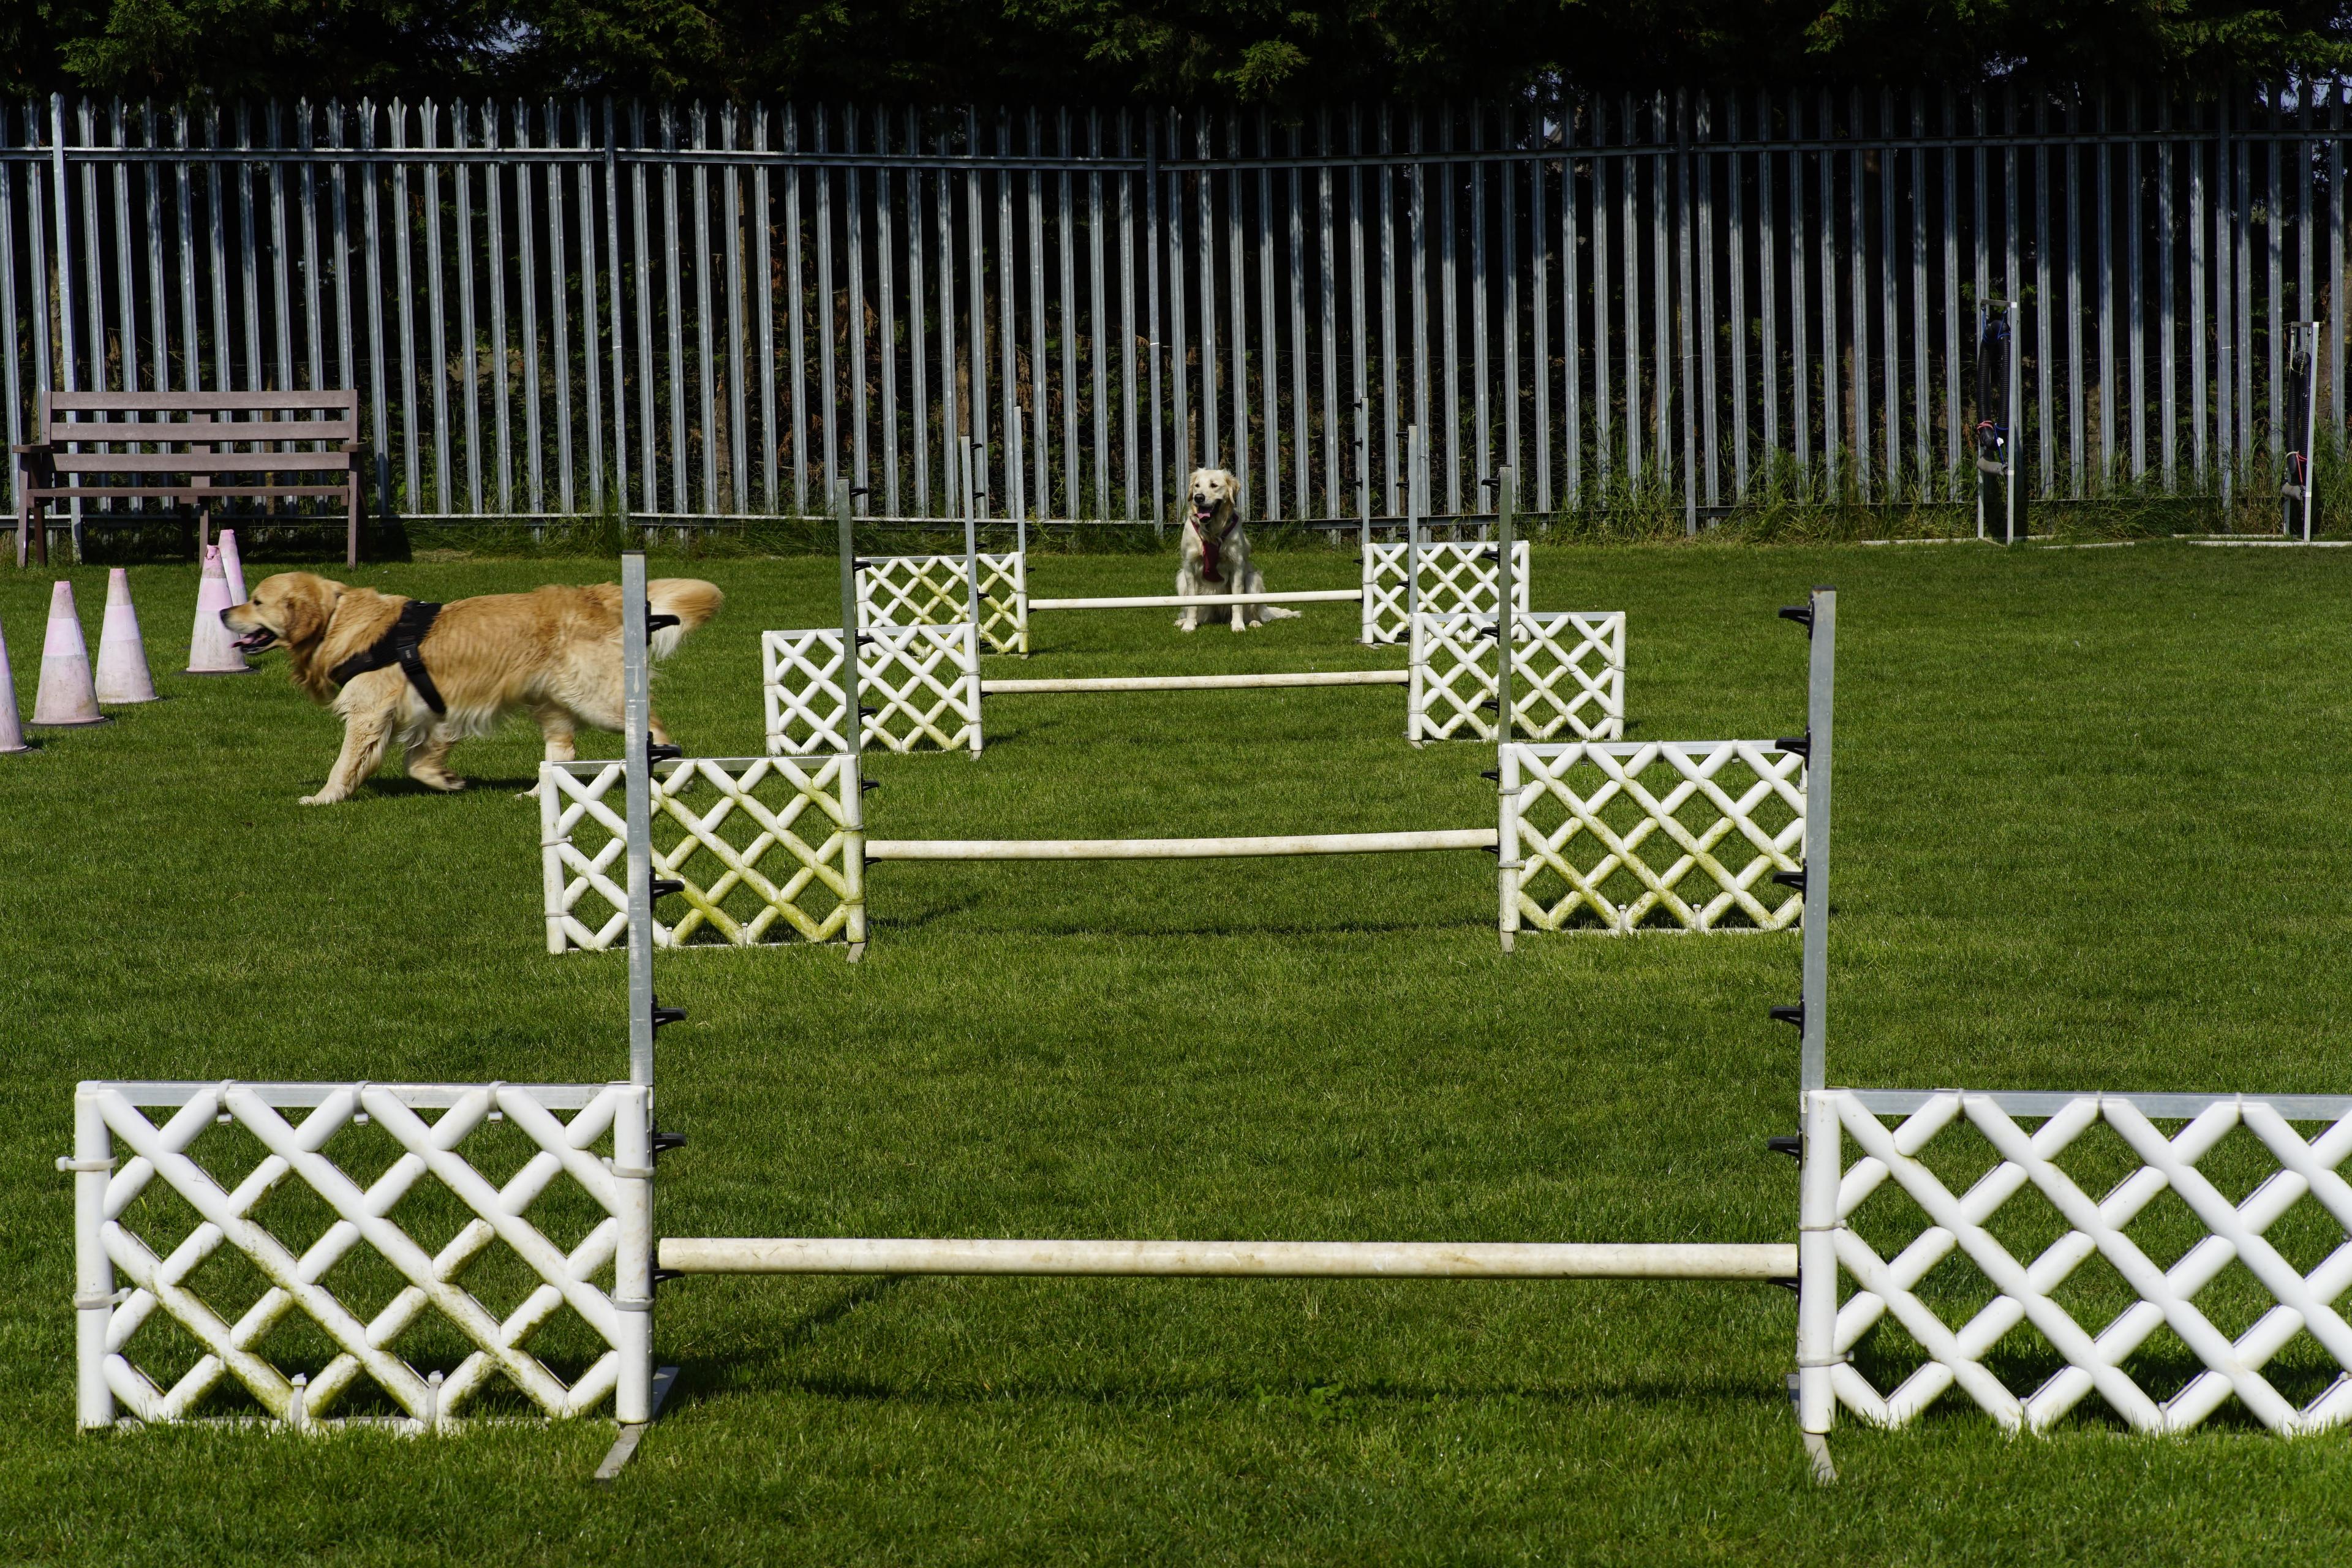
{"x": 398, "y": 647}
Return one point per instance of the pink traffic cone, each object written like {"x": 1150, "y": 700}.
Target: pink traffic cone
{"x": 211, "y": 649}
{"x": 232, "y": 567}
{"x": 11, "y": 733}
{"x": 123, "y": 674}
{"x": 66, "y": 696}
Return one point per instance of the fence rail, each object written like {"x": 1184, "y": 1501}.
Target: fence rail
{"x": 690, "y": 313}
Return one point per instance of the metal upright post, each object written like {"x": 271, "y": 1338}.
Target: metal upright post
{"x": 1821, "y": 1151}
{"x": 2302, "y": 426}
{"x": 1506, "y": 505}
{"x": 1820, "y": 693}
{"x": 636, "y": 709}
{"x": 853, "y": 774}
{"x": 852, "y": 687}
{"x": 1021, "y": 509}
{"x": 2013, "y": 437}
{"x": 972, "y": 532}
{"x": 1369, "y": 632}
{"x": 1412, "y": 482}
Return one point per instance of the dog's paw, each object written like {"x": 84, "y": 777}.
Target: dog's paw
{"x": 447, "y": 784}
{"x": 321, "y": 798}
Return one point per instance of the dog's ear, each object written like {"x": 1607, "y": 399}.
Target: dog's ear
{"x": 310, "y": 608}
{"x": 308, "y": 614}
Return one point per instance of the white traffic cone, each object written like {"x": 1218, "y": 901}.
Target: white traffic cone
{"x": 66, "y": 696}
{"x": 211, "y": 649}
{"x": 11, "y": 733}
{"x": 232, "y": 567}
{"x": 123, "y": 674}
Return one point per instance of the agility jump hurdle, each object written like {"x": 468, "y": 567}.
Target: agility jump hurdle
{"x": 1567, "y": 670}
{"x": 1841, "y": 1226}
{"x": 1399, "y": 580}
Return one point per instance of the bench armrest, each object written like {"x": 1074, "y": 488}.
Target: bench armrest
{"x": 352, "y": 446}
{"x": 30, "y": 449}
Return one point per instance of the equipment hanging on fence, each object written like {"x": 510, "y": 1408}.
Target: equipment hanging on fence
{"x": 2298, "y": 507}
{"x": 2001, "y": 490}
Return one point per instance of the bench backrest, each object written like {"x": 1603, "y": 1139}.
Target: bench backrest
{"x": 216, "y": 419}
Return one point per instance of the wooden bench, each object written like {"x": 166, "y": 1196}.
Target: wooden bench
{"x": 119, "y": 452}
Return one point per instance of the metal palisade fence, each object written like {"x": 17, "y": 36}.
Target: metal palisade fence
{"x": 720, "y": 312}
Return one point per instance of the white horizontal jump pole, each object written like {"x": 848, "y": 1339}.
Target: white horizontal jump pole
{"x": 1201, "y": 682}
{"x": 1238, "y": 1259}
{"x": 1178, "y": 601}
{"x": 1177, "y": 848}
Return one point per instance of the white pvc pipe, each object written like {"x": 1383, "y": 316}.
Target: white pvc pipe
{"x": 1179, "y": 601}
{"x": 1176, "y": 848}
{"x": 1257, "y": 1259}
{"x": 1201, "y": 682}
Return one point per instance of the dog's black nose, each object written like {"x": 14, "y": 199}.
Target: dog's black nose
{"x": 224, "y": 616}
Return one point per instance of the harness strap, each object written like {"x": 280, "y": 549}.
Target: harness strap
{"x": 399, "y": 645}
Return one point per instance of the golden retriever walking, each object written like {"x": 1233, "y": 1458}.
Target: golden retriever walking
{"x": 429, "y": 676}
{"x": 1214, "y": 554}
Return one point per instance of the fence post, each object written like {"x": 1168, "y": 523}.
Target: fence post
{"x": 70, "y": 375}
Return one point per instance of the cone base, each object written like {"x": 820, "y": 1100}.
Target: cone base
{"x": 16, "y": 751}
{"x": 66, "y": 723}
{"x": 128, "y": 701}
{"x": 247, "y": 670}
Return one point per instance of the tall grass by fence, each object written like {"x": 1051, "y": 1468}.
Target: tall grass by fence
{"x": 1676, "y": 306}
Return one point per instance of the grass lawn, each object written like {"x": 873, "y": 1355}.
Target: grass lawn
{"x": 2089, "y": 835}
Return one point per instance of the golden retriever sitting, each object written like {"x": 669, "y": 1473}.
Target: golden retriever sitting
{"x": 430, "y": 679}
{"x": 1215, "y": 552}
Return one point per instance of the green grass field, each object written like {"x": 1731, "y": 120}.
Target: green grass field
{"x": 2089, "y": 835}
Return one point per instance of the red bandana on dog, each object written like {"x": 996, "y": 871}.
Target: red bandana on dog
{"x": 1210, "y": 549}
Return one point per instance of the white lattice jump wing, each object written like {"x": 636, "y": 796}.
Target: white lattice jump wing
{"x": 1614, "y": 835}
{"x": 2024, "y": 1291}
{"x": 124, "y": 1163}
{"x": 1568, "y": 674}
{"x": 768, "y": 848}
{"x": 934, "y": 591}
{"x": 920, "y": 686}
{"x": 1456, "y": 579}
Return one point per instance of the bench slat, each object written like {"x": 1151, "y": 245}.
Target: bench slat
{"x": 200, "y": 432}
{"x": 91, "y": 402}
{"x": 208, "y": 492}
{"x": 198, "y": 462}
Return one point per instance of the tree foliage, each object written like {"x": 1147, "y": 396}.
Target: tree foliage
{"x": 1246, "y": 51}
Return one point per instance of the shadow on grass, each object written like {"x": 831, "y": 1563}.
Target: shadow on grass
{"x": 1154, "y": 1394}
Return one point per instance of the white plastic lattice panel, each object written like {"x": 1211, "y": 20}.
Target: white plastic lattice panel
{"x": 1456, "y": 579}
{"x": 1615, "y": 836}
{"x": 801, "y": 682}
{"x": 932, "y": 591}
{"x": 1568, "y": 674}
{"x": 2227, "y": 1258}
{"x": 155, "y": 1206}
{"x": 768, "y": 848}
{"x": 920, "y": 684}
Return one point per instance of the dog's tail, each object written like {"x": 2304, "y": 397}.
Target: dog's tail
{"x": 690, "y": 599}
{"x": 1276, "y": 613}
